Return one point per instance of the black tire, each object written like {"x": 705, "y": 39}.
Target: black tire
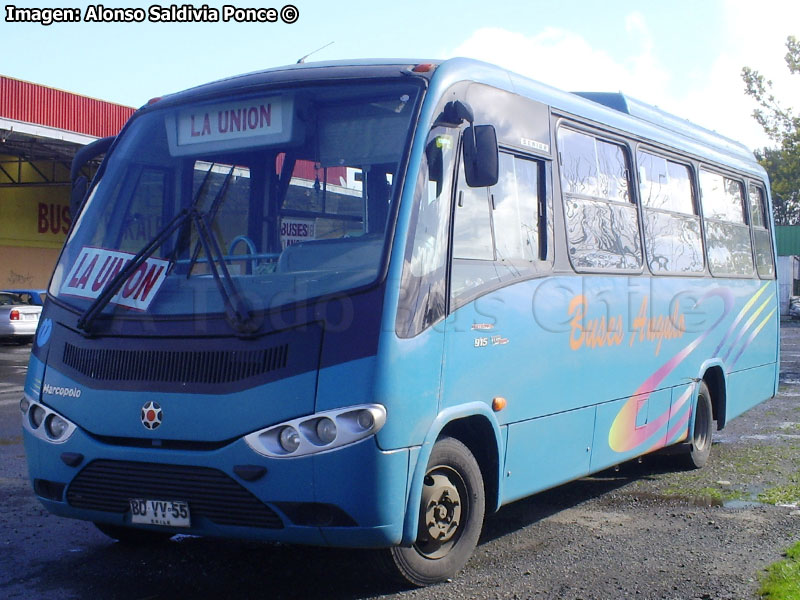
{"x": 699, "y": 444}
{"x": 134, "y": 537}
{"x": 452, "y": 508}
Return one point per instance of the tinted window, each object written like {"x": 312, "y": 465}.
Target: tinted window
{"x": 301, "y": 194}
{"x": 727, "y": 236}
{"x": 602, "y": 223}
{"x": 665, "y": 184}
{"x": 495, "y": 234}
{"x": 515, "y": 199}
{"x": 423, "y": 298}
{"x": 756, "y": 196}
{"x": 671, "y": 228}
{"x": 722, "y": 198}
{"x": 761, "y": 238}
{"x": 472, "y": 232}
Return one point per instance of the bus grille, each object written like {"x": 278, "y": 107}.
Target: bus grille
{"x": 107, "y": 485}
{"x": 175, "y": 366}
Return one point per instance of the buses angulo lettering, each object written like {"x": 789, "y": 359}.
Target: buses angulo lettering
{"x": 601, "y": 332}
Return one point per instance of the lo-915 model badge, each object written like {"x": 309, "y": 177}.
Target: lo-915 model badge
{"x": 151, "y": 415}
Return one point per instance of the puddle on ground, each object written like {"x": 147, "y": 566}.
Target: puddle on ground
{"x": 742, "y": 504}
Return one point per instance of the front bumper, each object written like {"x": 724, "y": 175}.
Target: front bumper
{"x": 354, "y": 496}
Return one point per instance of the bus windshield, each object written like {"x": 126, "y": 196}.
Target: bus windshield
{"x": 276, "y": 197}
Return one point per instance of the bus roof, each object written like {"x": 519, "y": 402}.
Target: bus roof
{"x": 616, "y": 110}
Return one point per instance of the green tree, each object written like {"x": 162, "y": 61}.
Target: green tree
{"x": 782, "y": 162}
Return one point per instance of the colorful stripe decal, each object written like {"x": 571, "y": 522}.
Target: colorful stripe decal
{"x": 752, "y": 337}
{"x": 747, "y": 326}
{"x": 739, "y": 317}
{"x": 624, "y": 436}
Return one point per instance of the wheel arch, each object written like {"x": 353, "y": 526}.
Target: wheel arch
{"x": 714, "y": 376}
{"x": 475, "y": 426}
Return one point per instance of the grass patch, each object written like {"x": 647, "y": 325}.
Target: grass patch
{"x": 782, "y": 579}
{"x": 787, "y": 493}
{"x": 782, "y": 494}
{"x": 707, "y": 494}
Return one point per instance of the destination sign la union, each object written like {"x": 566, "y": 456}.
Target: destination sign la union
{"x": 232, "y": 120}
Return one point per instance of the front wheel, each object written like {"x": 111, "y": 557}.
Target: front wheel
{"x": 700, "y": 439}
{"x": 451, "y": 517}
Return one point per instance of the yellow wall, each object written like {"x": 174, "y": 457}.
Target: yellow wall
{"x": 34, "y": 216}
{"x": 26, "y": 267}
{"x": 34, "y": 221}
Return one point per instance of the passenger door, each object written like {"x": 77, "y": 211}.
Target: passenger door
{"x": 493, "y": 346}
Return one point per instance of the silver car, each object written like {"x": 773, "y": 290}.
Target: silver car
{"x": 19, "y": 317}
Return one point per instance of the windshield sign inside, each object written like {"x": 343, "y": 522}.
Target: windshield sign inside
{"x": 96, "y": 267}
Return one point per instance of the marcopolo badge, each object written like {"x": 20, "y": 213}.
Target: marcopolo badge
{"x": 151, "y": 415}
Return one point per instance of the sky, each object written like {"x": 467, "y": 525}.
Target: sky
{"x": 684, "y": 56}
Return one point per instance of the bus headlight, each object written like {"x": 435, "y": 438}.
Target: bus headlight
{"x": 365, "y": 419}
{"x": 37, "y": 415}
{"x": 326, "y": 430}
{"x": 56, "y": 426}
{"x": 289, "y": 439}
{"x": 320, "y": 432}
{"x": 56, "y": 430}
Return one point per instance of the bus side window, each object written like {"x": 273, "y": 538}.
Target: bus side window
{"x": 495, "y": 233}
{"x": 763, "y": 244}
{"x": 672, "y": 235}
{"x": 423, "y": 296}
{"x": 727, "y": 234}
{"x": 602, "y": 221}
{"x": 515, "y": 200}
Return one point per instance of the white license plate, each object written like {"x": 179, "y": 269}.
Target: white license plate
{"x": 172, "y": 513}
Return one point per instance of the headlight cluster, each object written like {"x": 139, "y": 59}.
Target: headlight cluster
{"x": 319, "y": 432}
{"x": 44, "y": 423}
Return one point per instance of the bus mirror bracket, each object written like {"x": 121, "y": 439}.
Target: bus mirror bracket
{"x": 80, "y": 183}
{"x": 480, "y": 155}
{"x": 456, "y": 112}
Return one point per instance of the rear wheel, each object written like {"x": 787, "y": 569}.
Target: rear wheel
{"x": 451, "y": 517}
{"x": 700, "y": 439}
{"x": 134, "y": 537}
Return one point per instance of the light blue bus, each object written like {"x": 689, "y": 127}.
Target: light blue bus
{"x": 364, "y": 304}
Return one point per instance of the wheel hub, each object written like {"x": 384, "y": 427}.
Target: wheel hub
{"x": 442, "y": 504}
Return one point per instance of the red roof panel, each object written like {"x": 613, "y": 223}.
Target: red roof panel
{"x": 41, "y": 105}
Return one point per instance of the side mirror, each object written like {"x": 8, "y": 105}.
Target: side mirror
{"x": 79, "y": 188}
{"x": 480, "y": 156}
{"x": 80, "y": 184}
{"x": 435, "y": 164}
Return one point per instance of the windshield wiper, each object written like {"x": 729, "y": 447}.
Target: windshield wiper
{"x": 212, "y": 213}
{"x": 236, "y": 310}
{"x": 99, "y": 303}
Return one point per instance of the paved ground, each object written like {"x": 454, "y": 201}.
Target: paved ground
{"x": 645, "y": 531}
